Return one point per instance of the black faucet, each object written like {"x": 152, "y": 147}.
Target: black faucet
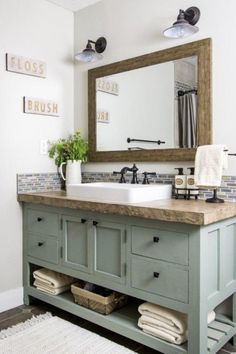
{"x": 124, "y": 170}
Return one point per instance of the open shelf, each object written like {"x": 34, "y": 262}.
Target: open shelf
{"x": 123, "y": 321}
{"x": 219, "y": 332}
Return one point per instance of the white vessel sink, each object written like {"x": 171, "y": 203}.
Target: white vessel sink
{"x": 120, "y": 192}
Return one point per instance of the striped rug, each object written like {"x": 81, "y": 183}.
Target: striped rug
{"x": 47, "y": 334}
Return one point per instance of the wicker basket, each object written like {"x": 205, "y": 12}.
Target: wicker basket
{"x": 98, "y": 303}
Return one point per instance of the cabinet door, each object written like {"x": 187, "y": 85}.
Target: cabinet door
{"x": 109, "y": 251}
{"x": 76, "y": 244}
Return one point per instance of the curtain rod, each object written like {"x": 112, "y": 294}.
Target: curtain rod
{"x": 182, "y": 93}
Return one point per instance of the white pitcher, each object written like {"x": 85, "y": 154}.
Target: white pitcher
{"x": 73, "y": 172}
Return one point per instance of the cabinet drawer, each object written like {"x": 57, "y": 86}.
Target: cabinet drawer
{"x": 160, "y": 278}
{"x": 42, "y": 222}
{"x": 165, "y": 245}
{"x": 44, "y": 248}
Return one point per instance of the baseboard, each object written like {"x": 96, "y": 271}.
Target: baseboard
{"x": 11, "y": 298}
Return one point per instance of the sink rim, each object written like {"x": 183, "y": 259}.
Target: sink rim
{"x": 120, "y": 192}
{"x": 125, "y": 186}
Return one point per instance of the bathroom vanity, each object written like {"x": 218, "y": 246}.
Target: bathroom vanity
{"x": 176, "y": 253}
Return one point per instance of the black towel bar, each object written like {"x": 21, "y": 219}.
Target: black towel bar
{"x": 230, "y": 154}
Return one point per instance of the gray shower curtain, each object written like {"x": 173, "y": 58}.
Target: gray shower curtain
{"x": 187, "y": 120}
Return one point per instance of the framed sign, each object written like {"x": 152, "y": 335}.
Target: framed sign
{"x": 25, "y": 66}
{"x": 107, "y": 86}
{"x": 42, "y": 107}
{"x": 103, "y": 116}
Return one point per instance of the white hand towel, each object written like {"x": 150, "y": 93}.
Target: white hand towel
{"x": 171, "y": 319}
{"x": 50, "y": 290}
{"x": 210, "y": 161}
{"x": 51, "y": 278}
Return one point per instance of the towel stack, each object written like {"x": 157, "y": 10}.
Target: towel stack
{"x": 164, "y": 323}
{"x": 51, "y": 282}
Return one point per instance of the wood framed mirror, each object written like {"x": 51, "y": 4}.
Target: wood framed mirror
{"x": 125, "y": 102}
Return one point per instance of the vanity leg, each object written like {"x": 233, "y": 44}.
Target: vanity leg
{"x": 27, "y": 299}
{"x": 197, "y": 314}
{"x": 197, "y": 327}
{"x": 234, "y": 315}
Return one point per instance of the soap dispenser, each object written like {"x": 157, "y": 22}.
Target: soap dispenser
{"x": 191, "y": 182}
{"x": 180, "y": 181}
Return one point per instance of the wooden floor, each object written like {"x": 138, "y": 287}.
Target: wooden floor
{"x": 22, "y": 313}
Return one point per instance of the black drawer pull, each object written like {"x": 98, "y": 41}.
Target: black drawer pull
{"x": 156, "y": 274}
{"x": 156, "y": 239}
{"x": 83, "y": 221}
{"x": 40, "y": 244}
{"x": 39, "y": 219}
{"x": 95, "y": 223}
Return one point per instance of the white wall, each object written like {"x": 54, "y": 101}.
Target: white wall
{"x": 39, "y": 30}
{"x": 134, "y": 27}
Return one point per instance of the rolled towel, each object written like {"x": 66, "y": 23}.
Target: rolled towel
{"x": 52, "y": 278}
{"x": 211, "y": 317}
{"x": 170, "y": 319}
{"x": 161, "y": 333}
{"x": 50, "y": 290}
{"x": 210, "y": 161}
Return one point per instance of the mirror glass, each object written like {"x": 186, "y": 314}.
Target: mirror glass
{"x": 156, "y": 104}
{"x": 155, "y": 107}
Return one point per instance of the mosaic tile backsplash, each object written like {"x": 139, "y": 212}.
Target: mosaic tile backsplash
{"x": 38, "y": 182}
{"x": 43, "y": 182}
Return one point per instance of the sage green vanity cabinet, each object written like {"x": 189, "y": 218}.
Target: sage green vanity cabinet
{"x": 94, "y": 247}
{"x": 76, "y": 244}
{"x": 110, "y": 251}
{"x": 189, "y": 268}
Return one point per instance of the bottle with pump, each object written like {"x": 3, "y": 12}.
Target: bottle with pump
{"x": 180, "y": 181}
{"x": 191, "y": 182}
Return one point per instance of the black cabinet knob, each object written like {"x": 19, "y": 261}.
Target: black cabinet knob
{"x": 156, "y": 274}
{"x": 83, "y": 221}
{"x": 156, "y": 239}
{"x": 39, "y": 219}
{"x": 95, "y": 223}
{"x": 40, "y": 244}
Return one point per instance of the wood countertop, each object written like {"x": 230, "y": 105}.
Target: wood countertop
{"x": 195, "y": 212}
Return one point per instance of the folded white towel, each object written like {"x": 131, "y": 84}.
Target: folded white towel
{"x": 50, "y": 290}
{"x": 170, "y": 319}
{"x": 210, "y": 161}
{"x": 169, "y": 336}
{"x": 51, "y": 278}
{"x": 164, "y": 323}
{"x": 159, "y": 329}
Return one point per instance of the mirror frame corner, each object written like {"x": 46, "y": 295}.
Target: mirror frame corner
{"x": 203, "y": 50}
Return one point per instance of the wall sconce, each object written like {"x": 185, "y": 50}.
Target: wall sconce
{"x": 89, "y": 54}
{"x": 185, "y": 24}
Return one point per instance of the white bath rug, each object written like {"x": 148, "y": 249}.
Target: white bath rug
{"x": 47, "y": 334}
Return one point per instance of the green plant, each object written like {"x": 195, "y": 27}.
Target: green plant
{"x": 74, "y": 148}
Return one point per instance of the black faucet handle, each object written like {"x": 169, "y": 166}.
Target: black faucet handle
{"x": 146, "y": 174}
{"x": 122, "y": 176}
